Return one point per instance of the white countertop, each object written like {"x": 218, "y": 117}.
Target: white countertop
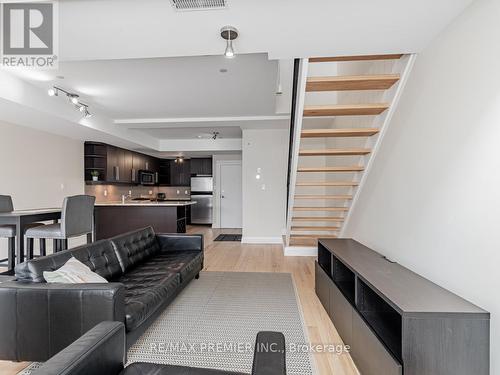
{"x": 147, "y": 204}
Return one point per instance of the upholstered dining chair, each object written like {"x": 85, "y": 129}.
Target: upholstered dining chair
{"x": 77, "y": 219}
{"x": 9, "y": 232}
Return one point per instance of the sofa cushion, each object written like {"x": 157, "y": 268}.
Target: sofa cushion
{"x": 134, "y": 247}
{"x": 186, "y": 263}
{"x": 140, "y": 368}
{"x": 147, "y": 287}
{"x": 99, "y": 256}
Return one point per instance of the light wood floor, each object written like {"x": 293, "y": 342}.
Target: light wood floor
{"x": 237, "y": 257}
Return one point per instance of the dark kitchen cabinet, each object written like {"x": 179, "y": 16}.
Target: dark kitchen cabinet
{"x": 164, "y": 172}
{"x": 180, "y": 173}
{"x": 201, "y": 166}
{"x": 113, "y": 168}
{"x": 126, "y": 176}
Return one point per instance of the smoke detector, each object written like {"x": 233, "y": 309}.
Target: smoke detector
{"x": 198, "y": 4}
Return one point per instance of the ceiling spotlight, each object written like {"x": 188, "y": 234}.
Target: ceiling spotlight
{"x": 229, "y": 33}
{"x": 73, "y": 98}
{"x": 179, "y": 159}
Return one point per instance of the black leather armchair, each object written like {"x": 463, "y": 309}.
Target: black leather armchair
{"x": 101, "y": 351}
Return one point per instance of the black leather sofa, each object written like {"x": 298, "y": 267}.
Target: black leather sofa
{"x": 101, "y": 352}
{"x": 145, "y": 273}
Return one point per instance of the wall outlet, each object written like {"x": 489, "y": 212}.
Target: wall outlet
{"x": 105, "y": 192}
{"x": 62, "y": 186}
{"x": 178, "y": 192}
{"x": 151, "y": 192}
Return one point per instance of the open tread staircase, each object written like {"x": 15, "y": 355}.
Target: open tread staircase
{"x": 318, "y": 219}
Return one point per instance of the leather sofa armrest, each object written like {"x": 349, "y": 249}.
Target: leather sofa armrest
{"x": 179, "y": 241}
{"x": 100, "y": 351}
{"x": 269, "y": 355}
{"x": 39, "y": 319}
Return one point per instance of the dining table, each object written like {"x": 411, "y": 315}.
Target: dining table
{"x": 21, "y": 218}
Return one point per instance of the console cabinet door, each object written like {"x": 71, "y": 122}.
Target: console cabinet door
{"x": 341, "y": 313}
{"x": 323, "y": 284}
{"x": 369, "y": 354}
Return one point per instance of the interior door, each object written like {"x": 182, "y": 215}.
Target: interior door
{"x": 230, "y": 196}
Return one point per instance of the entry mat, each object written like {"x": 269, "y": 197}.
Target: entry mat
{"x": 225, "y": 310}
{"x": 228, "y": 237}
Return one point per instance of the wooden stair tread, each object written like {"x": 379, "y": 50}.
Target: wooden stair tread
{"x": 315, "y": 228}
{"x": 338, "y": 197}
{"x": 336, "y": 209}
{"x": 345, "y": 109}
{"x": 335, "y": 152}
{"x": 318, "y": 218}
{"x": 356, "y": 58}
{"x": 344, "y": 83}
{"x": 353, "y": 168}
{"x": 327, "y": 183}
{"x": 355, "y": 132}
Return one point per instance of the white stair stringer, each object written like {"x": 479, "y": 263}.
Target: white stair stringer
{"x": 298, "y": 116}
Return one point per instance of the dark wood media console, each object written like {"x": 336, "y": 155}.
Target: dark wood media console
{"x": 395, "y": 321}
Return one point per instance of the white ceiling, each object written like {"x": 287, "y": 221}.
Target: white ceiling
{"x": 118, "y": 29}
{"x": 189, "y": 132}
{"x": 172, "y": 87}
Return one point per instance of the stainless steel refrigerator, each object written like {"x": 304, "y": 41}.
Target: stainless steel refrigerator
{"x": 202, "y": 193}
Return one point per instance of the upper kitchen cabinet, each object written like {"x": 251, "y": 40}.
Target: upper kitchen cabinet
{"x": 180, "y": 173}
{"x": 95, "y": 160}
{"x": 201, "y": 166}
{"x": 115, "y": 165}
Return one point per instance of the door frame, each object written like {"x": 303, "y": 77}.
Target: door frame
{"x": 216, "y": 192}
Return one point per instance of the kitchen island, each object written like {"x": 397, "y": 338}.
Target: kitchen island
{"x": 114, "y": 218}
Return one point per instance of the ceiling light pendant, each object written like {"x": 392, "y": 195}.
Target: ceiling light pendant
{"x": 229, "y": 33}
{"x": 53, "y": 91}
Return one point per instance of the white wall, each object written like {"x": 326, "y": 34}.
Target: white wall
{"x": 38, "y": 169}
{"x": 432, "y": 199}
{"x": 264, "y": 200}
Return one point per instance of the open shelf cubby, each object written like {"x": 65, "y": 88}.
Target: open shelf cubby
{"x": 381, "y": 317}
{"x": 344, "y": 278}
{"x": 325, "y": 259}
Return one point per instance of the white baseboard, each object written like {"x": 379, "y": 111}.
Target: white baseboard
{"x": 265, "y": 240}
{"x": 300, "y": 251}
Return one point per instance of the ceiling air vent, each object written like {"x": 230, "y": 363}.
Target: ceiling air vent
{"x": 198, "y": 4}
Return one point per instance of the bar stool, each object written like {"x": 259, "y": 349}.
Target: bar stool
{"x": 77, "y": 219}
{"x": 9, "y": 232}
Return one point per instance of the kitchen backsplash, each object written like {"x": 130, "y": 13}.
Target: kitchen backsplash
{"x": 113, "y": 193}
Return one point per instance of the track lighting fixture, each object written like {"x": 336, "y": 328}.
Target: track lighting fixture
{"x": 229, "y": 33}
{"x": 179, "y": 160}
{"x": 73, "y": 98}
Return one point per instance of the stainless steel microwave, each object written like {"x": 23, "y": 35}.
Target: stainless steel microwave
{"x": 147, "y": 178}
